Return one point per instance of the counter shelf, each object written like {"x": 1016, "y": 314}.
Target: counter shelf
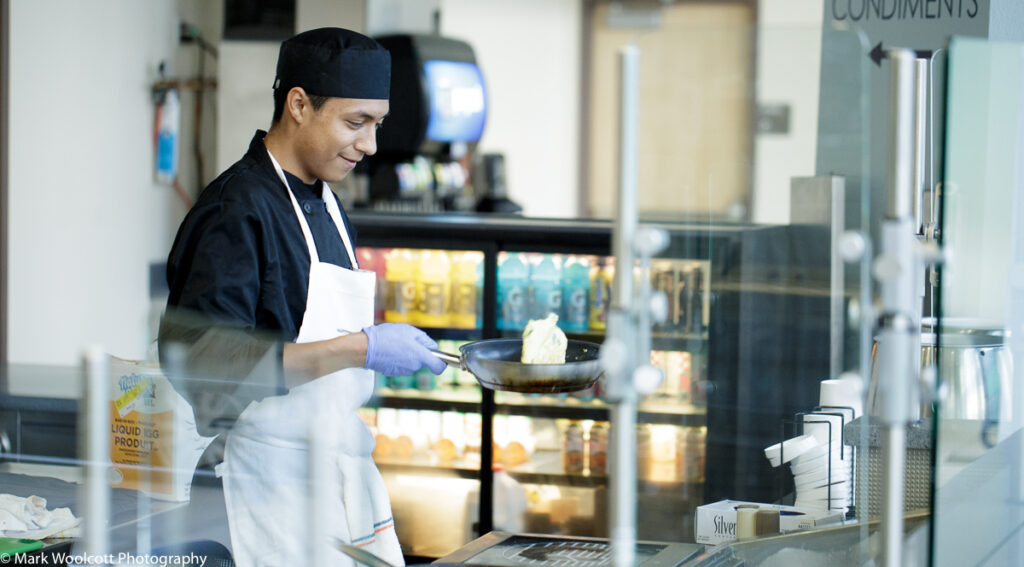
{"x": 653, "y": 411}
{"x": 544, "y": 467}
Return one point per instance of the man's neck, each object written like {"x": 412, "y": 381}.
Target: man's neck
{"x": 277, "y": 143}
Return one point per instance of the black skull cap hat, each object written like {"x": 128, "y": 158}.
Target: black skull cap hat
{"x": 334, "y": 62}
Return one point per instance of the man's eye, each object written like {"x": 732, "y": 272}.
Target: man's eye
{"x": 355, "y": 124}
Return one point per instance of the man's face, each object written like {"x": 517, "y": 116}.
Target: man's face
{"x": 332, "y": 139}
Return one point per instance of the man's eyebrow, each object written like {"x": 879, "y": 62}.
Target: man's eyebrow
{"x": 368, "y": 116}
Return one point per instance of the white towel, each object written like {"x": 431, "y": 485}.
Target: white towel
{"x": 368, "y": 508}
{"x": 28, "y": 518}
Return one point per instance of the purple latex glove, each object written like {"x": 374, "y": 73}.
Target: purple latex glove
{"x": 397, "y": 349}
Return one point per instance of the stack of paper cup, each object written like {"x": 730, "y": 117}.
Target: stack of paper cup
{"x": 822, "y": 477}
{"x": 821, "y": 463}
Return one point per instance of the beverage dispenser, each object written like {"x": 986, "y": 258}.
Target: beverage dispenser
{"x": 438, "y": 111}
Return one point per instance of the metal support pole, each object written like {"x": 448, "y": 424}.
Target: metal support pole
{"x": 920, "y": 143}
{"x": 317, "y": 495}
{"x": 94, "y": 443}
{"x": 619, "y": 354}
{"x": 897, "y": 272}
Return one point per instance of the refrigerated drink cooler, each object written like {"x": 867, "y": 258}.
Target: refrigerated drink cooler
{"x": 447, "y": 434}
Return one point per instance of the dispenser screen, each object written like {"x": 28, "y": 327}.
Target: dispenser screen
{"x": 458, "y": 105}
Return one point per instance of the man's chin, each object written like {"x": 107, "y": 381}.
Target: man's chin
{"x": 334, "y": 176}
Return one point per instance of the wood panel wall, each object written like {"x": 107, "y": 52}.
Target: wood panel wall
{"x": 696, "y": 111}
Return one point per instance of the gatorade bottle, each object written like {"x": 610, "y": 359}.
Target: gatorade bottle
{"x": 433, "y": 289}
{"x": 466, "y": 278}
{"x": 575, "y": 295}
{"x": 546, "y": 288}
{"x": 601, "y": 293}
{"x": 513, "y": 281}
{"x": 401, "y": 286}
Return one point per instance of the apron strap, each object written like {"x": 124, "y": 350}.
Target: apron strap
{"x": 335, "y": 212}
{"x": 314, "y": 258}
{"x": 332, "y": 209}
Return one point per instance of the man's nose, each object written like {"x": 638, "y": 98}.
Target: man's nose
{"x": 367, "y": 142}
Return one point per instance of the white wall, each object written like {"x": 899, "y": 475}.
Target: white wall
{"x": 788, "y": 64}
{"x": 530, "y": 53}
{"x": 400, "y": 16}
{"x": 209, "y": 18}
{"x": 86, "y": 217}
{"x": 244, "y": 96}
{"x": 246, "y": 76}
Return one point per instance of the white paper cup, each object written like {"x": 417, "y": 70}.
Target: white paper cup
{"x": 790, "y": 449}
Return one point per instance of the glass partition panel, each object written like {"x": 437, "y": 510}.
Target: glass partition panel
{"x": 755, "y": 145}
{"x": 776, "y": 348}
{"x": 105, "y": 465}
{"x": 427, "y": 428}
{"x": 978, "y": 345}
{"x": 787, "y": 350}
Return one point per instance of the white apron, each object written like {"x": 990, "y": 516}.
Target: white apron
{"x": 266, "y": 455}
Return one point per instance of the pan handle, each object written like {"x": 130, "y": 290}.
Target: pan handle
{"x": 451, "y": 359}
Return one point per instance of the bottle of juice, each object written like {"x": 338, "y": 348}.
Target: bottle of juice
{"x": 372, "y": 260}
{"x": 687, "y": 283}
{"x": 644, "y": 454}
{"x": 400, "y": 281}
{"x": 546, "y": 288}
{"x": 572, "y": 449}
{"x": 601, "y": 293}
{"x": 697, "y": 305}
{"x": 663, "y": 279}
{"x": 467, "y": 284}
{"x": 433, "y": 289}
{"x": 513, "y": 280}
{"x": 597, "y": 448}
{"x": 690, "y": 456}
{"x": 575, "y": 295}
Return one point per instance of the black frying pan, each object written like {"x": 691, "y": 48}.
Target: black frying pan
{"x": 496, "y": 365}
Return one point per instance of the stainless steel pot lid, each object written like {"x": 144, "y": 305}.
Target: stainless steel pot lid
{"x": 968, "y": 338}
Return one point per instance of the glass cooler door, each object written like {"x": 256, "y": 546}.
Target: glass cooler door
{"x": 429, "y": 429}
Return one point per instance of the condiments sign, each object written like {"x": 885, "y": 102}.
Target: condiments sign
{"x": 853, "y": 110}
{"x": 886, "y": 10}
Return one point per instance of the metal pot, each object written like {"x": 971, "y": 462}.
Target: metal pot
{"x": 973, "y": 372}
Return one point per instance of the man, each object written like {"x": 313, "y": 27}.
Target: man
{"x": 263, "y": 275}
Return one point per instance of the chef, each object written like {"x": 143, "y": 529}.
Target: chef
{"x": 276, "y": 317}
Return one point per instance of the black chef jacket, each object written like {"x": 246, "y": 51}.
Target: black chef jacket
{"x": 239, "y": 269}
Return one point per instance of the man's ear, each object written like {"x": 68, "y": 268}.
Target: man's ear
{"x": 295, "y": 102}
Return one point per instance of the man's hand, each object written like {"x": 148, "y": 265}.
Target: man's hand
{"x": 398, "y": 349}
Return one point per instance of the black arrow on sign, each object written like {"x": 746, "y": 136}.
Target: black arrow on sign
{"x": 877, "y": 54}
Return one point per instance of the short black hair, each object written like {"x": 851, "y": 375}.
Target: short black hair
{"x": 281, "y": 94}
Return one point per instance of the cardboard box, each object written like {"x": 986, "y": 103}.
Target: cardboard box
{"x": 154, "y": 442}
{"x": 716, "y": 523}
